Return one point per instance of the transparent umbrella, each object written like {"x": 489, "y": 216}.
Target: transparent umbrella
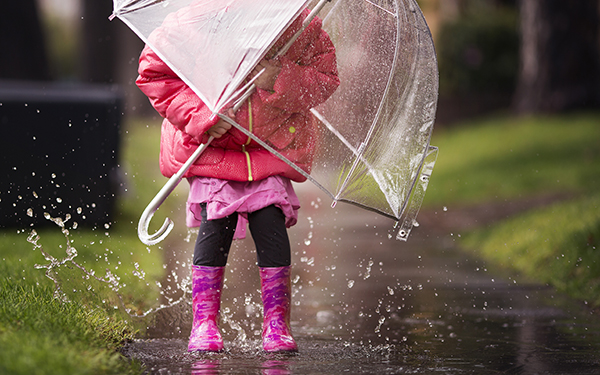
{"x": 373, "y": 133}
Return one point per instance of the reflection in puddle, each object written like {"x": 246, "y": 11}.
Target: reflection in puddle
{"x": 205, "y": 367}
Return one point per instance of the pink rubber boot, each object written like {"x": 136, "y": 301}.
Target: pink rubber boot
{"x": 276, "y": 295}
{"x": 206, "y": 301}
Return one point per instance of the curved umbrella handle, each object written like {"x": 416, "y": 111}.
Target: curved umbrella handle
{"x": 165, "y": 229}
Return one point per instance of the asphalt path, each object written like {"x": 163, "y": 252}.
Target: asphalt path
{"x": 366, "y": 303}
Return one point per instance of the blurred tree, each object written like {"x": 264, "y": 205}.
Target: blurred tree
{"x": 478, "y": 54}
{"x": 110, "y": 52}
{"x": 560, "y": 56}
{"x": 99, "y": 52}
{"x": 478, "y": 51}
{"x": 22, "y": 43}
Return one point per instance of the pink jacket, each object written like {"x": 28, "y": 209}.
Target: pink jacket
{"x": 281, "y": 118}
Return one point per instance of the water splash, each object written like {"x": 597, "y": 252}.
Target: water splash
{"x": 368, "y": 269}
{"x": 55, "y": 264}
{"x": 73, "y": 281}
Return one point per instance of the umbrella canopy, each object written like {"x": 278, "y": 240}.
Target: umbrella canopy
{"x": 216, "y": 43}
{"x": 374, "y": 131}
{"x": 380, "y": 149}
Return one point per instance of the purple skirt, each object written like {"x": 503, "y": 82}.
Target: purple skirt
{"x": 224, "y": 197}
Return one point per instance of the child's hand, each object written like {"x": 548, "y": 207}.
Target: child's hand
{"x": 219, "y": 129}
{"x": 266, "y": 80}
{"x": 222, "y": 126}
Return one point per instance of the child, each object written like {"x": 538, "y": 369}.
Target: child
{"x": 236, "y": 181}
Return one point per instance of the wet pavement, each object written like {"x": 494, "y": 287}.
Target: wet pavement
{"x": 365, "y": 303}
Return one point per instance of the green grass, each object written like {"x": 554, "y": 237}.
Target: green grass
{"x": 557, "y": 245}
{"x": 516, "y": 158}
{"x": 508, "y": 158}
{"x": 40, "y": 334}
{"x": 43, "y": 334}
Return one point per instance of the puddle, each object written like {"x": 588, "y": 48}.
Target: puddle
{"x": 368, "y": 304}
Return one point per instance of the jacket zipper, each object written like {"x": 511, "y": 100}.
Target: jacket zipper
{"x": 250, "y": 178}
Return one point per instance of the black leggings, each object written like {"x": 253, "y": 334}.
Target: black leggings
{"x": 268, "y": 231}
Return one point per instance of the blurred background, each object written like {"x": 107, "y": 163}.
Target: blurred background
{"x": 518, "y": 128}
{"x": 494, "y": 55}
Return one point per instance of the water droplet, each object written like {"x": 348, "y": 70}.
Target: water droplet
{"x": 381, "y": 321}
{"x": 350, "y": 284}
{"x": 30, "y": 212}
{"x": 59, "y": 200}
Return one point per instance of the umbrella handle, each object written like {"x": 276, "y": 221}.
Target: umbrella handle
{"x": 165, "y": 229}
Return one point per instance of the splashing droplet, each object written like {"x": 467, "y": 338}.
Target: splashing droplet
{"x": 381, "y": 321}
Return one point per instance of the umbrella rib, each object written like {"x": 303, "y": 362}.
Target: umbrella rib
{"x": 335, "y": 132}
{"x": 332, "y": 129}
{"x": 275, "y": 152}
{"x": 251, "y": 87}
{"x": 380, "y": 7}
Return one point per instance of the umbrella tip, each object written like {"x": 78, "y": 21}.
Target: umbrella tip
{"x": 112, "y": 16}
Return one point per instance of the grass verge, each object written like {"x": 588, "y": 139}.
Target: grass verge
{"x": 43, "y": 334}
{"x": 507, "y": 158}
{"x": 558, "y": 245}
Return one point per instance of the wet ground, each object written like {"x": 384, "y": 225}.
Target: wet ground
{"x": 365, "y": 303}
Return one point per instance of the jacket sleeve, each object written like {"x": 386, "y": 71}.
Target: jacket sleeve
{"x": 172, "y": 98}
{"x": 308, "y": 74}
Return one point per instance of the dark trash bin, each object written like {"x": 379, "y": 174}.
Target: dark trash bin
{"x": 60, "y": 153}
